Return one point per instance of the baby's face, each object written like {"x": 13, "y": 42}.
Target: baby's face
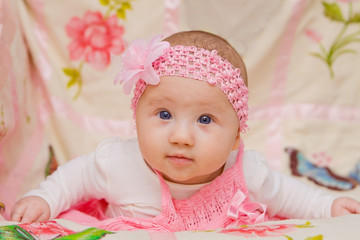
{"x": 186, "y": 129}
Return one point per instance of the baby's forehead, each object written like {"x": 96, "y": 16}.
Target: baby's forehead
{"x": 186, "y": 91}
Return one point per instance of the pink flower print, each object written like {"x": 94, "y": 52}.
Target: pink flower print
{"x": 94, "y": 38}
{"x": 314, "y": 36}
{"x": 46, "y": 230}
{"x": 322, "y": 159}
{"x": 261, "y": 231}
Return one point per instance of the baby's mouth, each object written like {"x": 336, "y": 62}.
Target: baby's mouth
{"x": 180, "y": 159}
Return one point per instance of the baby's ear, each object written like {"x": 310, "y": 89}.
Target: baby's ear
{"x": 237, "y": 141}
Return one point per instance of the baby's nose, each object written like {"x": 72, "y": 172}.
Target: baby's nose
{"x": 183, "y": 134}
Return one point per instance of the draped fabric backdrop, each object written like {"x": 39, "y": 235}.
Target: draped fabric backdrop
{"x": 58, "y": 60}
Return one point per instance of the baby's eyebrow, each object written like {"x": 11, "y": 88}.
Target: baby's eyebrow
{"x": 153, "y": 100}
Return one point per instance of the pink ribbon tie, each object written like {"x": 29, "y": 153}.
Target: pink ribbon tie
{"x": 246, "y": 212}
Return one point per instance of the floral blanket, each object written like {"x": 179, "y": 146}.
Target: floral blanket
{"x": 58, "y": 100}
{"x": 346, "y": 227}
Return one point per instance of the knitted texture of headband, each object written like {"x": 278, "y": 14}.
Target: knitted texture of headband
{"x": 144, "y": 63}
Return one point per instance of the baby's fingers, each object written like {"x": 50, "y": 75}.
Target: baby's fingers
{"x": 30, "y": 209}
{"x": 31, "y": 215}
{"x": 17, "y": 212}
{"x": 354, "y": 208}
{"x": 42, "y": 217}
{"x": 350, "y": 206}
{"x": 345, "y": 205}
{"x": 28, "y": 217}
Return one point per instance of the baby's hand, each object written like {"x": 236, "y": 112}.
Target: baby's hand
{"x": 30, "y": 209}
{"x": 344, "y": 205}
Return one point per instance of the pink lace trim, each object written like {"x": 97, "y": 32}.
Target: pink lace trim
{"x": 222, "y": 203}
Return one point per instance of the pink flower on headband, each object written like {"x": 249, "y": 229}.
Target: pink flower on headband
{"x": 137, "y": 62}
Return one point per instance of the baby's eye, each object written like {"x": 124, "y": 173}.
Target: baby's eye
{"x": 164, "y": 115}
{"x": 204, "y": 119}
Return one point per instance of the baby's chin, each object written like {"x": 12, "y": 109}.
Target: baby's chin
{"x": 190, "y": 180}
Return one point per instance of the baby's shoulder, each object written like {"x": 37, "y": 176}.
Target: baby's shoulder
{"x": 253, "y": 157}
{"x": 116, "y": 142}
{"x": 117, "y": 147}
{"x": 254, "y": 162}
{"x": 255, "y": 169}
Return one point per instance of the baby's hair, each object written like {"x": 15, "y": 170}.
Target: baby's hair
{"x": 210, "y": 42}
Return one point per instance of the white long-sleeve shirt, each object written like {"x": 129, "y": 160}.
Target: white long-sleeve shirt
{"x": 117, "y": 173}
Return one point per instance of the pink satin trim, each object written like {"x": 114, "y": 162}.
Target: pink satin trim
{"x": 7, "y": 31}
{"x": 14, "y": 125}
{"x": 171, "y": 19}
{"x": 37, "y": 7}
{"x": 15, "y": 179}
{"x": 246, "y": 212}
{"x": 93, "y": 123}
{"x": 42, "y": 38}
{"x": 7, "y": 22}
{"x": 307, "y": 111}
{"x": 274, "y": 140}
{"x": 9, "y": 27}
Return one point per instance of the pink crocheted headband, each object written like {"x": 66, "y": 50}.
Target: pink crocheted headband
{"x": 145, "y": 62}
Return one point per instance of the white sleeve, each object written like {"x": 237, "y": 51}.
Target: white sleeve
{"x": 284, "y": 195}
{"x": 79, "y": 179}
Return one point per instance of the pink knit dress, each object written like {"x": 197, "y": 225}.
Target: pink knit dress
{"x": 222, "y": 203}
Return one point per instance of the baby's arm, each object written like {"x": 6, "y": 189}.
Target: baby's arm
{"x": 30, "y": 209}
{"x": 345, "y": 205}
{"x": 284, "y": 195}
{"x": 80, "y": 179}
